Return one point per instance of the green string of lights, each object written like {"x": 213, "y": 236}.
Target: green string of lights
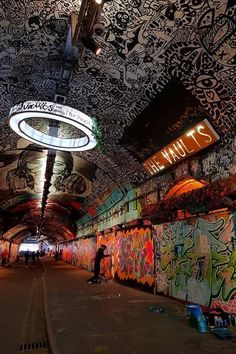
{"x": 98, "y": 134}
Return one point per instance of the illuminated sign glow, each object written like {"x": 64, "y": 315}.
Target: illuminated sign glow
{"x": 57, "y": 112}
{"x": 196, "y": 139}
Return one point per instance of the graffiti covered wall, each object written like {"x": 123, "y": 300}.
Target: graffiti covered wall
{"x": 86, "y": 250}
{"x": 134, "y": 255}
{"x": 4, "y": 245}
{"x": 66, "y": 252}
{"x": 14, "y": 252}
{"x": 131, "y": 255}
{"x": 80, "y": 253}
{"x": 196, "y": 260}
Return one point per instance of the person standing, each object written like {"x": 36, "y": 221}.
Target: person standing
{"x": 33, "y": 255}
{"x": 97, "y": 262}
{"x": 27, "y": 254}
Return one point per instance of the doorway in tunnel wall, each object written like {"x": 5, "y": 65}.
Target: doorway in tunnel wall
{"x": 196, "y": 260}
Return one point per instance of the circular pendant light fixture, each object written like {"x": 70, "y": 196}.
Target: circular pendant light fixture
{"x": 52, "y": 112}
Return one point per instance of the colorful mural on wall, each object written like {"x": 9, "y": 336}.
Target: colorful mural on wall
{"x": 134, "y": 255}
{"x": 4, "y": 247}
{"x": 80, "y": 253}
{"x": 66, "y": 252}
{"x": 196, "y": 260}
{"x": 4, "y": 250}
{"x": 131, "y": 254}
{"x": 14, "y": 252}
{"x": 86, "y": 249}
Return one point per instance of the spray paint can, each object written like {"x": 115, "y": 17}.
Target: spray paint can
{"x": 202, "y": 325}
{"x": 221, "y": 322}
{"x": 229, "y": 319}
{"x": 216, "y": 320}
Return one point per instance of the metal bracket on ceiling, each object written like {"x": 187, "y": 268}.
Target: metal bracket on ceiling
{"x": 89, "y": 16}
{"x": 80, "y": 31}
{"x": 62, "y": 89}
{"x": 81, "y": 28}
{"x": 63, "y": 82}
{"x": 87, "y": 24}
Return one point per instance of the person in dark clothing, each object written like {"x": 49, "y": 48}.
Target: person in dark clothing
{"x": 33, "y": 255}
{"x": 27, "y": 254}
{"x": 97, "y": 262}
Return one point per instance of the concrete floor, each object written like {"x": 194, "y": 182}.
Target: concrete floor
{"x": 22, "y": 321}
{"x": 91, "y": 319}
{"x": 114, "y": 319}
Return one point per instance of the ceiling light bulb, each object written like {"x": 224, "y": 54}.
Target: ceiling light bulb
{"x": 98, "y": 51}
{"x": 90, "y": 43}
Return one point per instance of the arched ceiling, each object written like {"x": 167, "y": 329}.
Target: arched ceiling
{"x": 164, "y": 65}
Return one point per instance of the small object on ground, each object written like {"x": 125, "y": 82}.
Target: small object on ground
{"x": 223, "y": 333}
{"x": 202, "y": 324}
{"x": 194, "y": 311}
{"x": 155, "y": 309}
{"x": 90, "y": 280}
{"x": 217, "y": 317}
{"x": 95, "y": 281}
{"x": 194, "y": 314}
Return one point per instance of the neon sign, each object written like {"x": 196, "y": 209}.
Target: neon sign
{"x": 196, "y": 139}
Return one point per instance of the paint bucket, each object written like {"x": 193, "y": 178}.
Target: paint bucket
{"x": 194, "y": 314}
{"x": 194, "y": 310}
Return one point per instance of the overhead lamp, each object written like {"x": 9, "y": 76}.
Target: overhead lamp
{"x": 90, "y": 43}
{"x": 57, "y": 112}
{"x": 100, "y": 2}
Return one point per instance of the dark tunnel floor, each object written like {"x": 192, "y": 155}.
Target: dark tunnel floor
{"x": 91, "y": 319}
{"x": 22, "y": 320}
